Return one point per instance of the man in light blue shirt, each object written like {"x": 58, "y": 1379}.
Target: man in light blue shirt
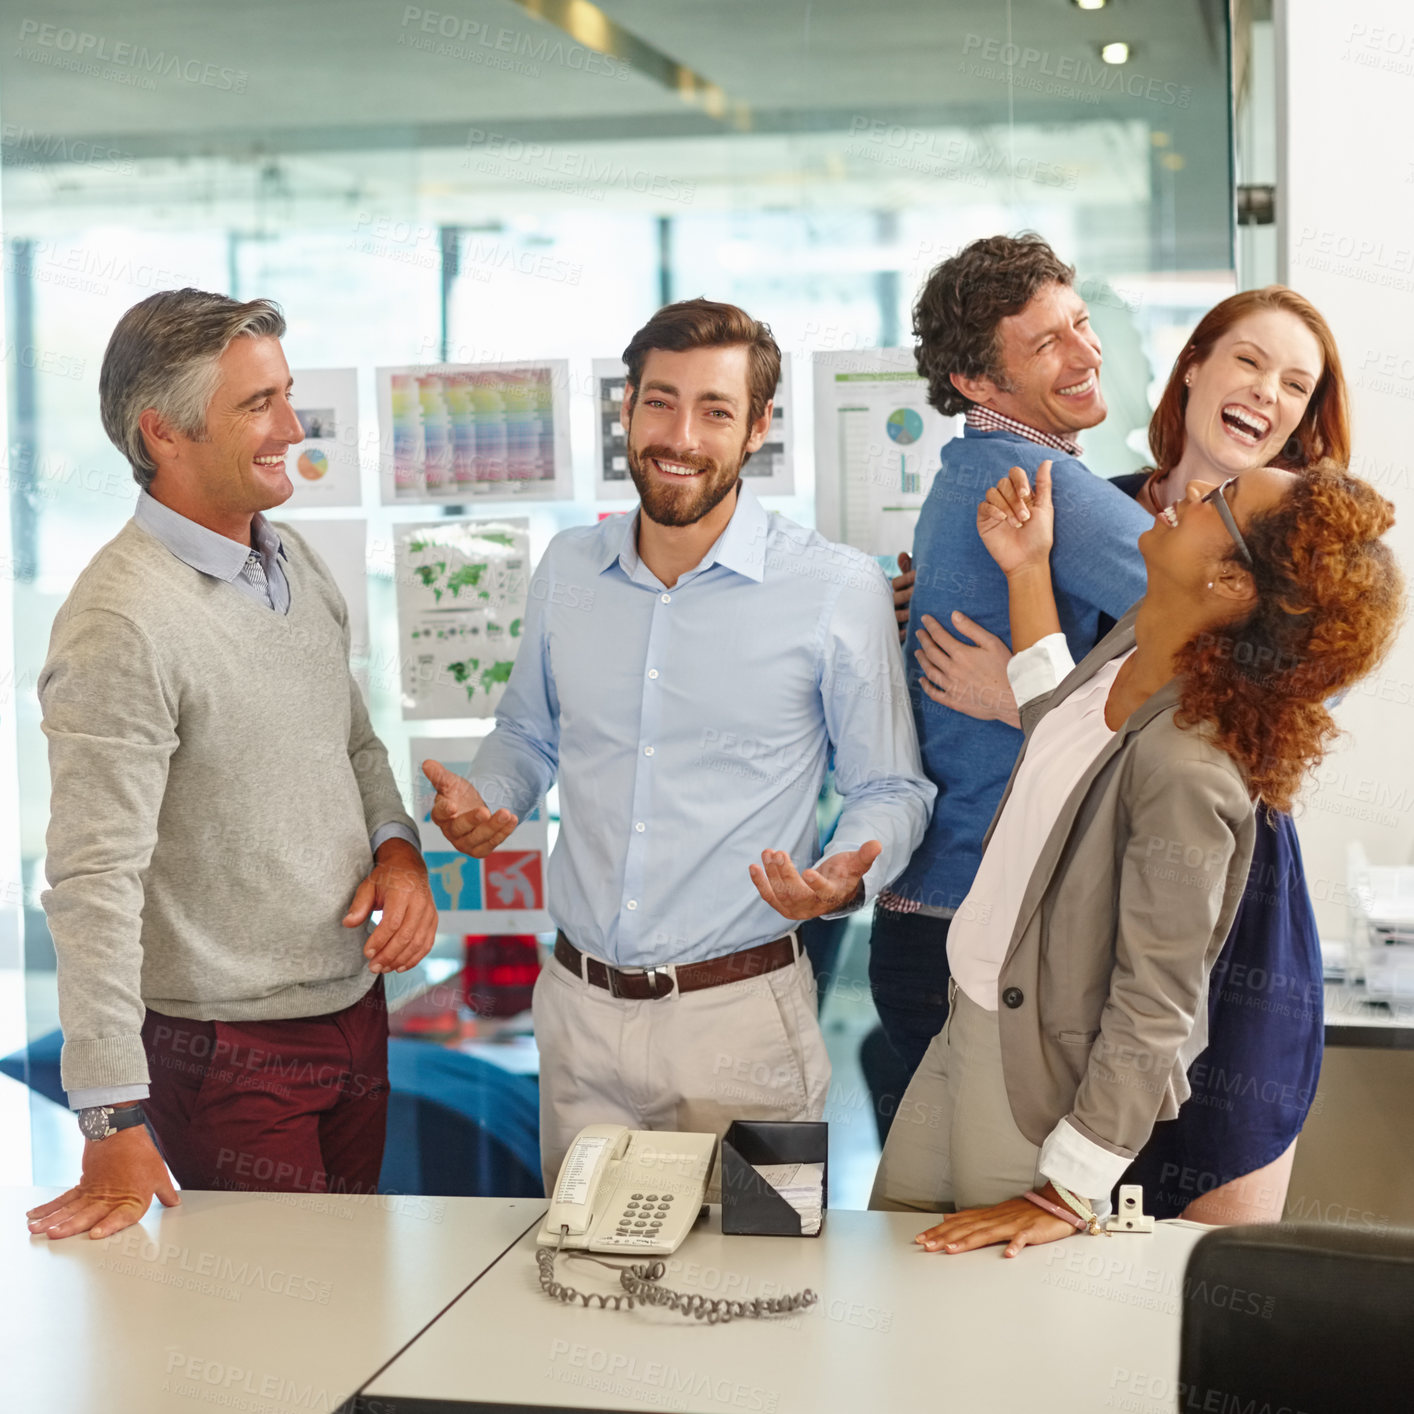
{"x": 685, "y": 674}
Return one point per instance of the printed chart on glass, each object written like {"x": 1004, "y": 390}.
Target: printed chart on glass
{"x": 769, "y": 472}
{"x": 324, "y": 467}
{"x": 461, "y": 608}
{"x": 877, "y": 444}
{"x": 457, "y": 432}
{"x": 503, "y": 893}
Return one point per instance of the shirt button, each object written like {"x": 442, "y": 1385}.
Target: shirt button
{"x": 1013, "y": 997}
{"x": 652, "y": 672}
{"x": 666, "y": 598}
{"x": 639, "y": 827}
{"x": 631, "y": 904}
{"x": 647, "y": 750}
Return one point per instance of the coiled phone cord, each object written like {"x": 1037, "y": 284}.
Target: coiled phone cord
{"x": 638, "y": 1282}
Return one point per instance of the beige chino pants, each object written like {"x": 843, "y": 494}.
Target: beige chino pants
{"x": 690, "y": 1061}
{"x": 953, "y": 1143}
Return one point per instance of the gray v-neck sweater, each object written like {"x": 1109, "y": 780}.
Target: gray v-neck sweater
{"x": 215, "y": 781}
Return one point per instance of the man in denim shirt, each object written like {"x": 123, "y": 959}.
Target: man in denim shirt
{"x": 1004, "y": 338}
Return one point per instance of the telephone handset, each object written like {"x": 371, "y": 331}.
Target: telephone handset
{"x": 630, "y": 1191}
{"x": 624, "y": 1190}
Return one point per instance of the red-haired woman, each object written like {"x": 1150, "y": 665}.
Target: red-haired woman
{"x": 1259, "y": 383}
{"x": 1111, "y": 875}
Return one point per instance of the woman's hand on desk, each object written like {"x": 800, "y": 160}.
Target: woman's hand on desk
{"x": 1017, "y": 1222}
{"x": 120, "y": 1176}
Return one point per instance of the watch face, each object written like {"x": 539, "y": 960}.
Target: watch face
{"x": 93, "y": 1123}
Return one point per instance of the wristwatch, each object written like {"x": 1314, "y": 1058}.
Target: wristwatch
{"x": 101, "y": 1121}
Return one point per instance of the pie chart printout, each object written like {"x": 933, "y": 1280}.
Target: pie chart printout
{"x": 905, "y": 426}
{"x": 312, "y": 464}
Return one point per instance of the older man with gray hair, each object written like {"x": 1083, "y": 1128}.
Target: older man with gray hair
{"x": 223, "y": 821}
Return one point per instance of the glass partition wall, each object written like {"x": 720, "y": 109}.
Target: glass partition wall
{"x": 510, "y": 179}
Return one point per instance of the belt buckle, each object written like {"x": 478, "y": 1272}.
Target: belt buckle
{"x": 649, "y": 972}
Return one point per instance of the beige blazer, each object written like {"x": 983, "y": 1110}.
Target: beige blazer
{"x": 1103, "y": 995}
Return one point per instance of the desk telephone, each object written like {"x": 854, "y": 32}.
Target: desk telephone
{"x": 629, "y": 1192}
{"x": 625, "y": 1191}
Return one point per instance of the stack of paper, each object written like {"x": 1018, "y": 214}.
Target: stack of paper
{"x": 802, "y": 1186}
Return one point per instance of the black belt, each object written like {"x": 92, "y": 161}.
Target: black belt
{"x": 654, "y": 982}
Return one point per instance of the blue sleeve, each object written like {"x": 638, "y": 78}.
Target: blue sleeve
{"x": 517, "y": 763}
{"x": 1096, "y": 557}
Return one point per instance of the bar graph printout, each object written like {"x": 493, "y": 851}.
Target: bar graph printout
{"x": 454, "y": 433}
{"x": 877, "y": 443}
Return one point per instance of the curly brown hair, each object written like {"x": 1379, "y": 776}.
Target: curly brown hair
{"x": 1329, "y": 599}
{"x": 957, "y": 312}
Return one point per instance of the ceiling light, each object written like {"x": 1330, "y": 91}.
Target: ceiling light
{"x": 1114, "y": 53}
{"x": 1090, "y": 4}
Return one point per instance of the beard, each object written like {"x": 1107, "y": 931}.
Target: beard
{"x": 667, "y": 504}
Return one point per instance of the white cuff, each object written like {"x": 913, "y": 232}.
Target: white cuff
{"x": 1040, "y": 669}
{"x": 394, "y": 830}
{"x": 1079, "y": 1164}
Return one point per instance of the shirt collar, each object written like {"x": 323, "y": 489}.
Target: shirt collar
{"x": 989, "y": 420}
{"x": 206, "y": 551}
{"x": 741, "y": 547}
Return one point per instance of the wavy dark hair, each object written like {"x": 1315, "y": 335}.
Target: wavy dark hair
{"x": 704, "y": 323}
{"x": 957, "y": 312}
{"x": 1329, "y": 599}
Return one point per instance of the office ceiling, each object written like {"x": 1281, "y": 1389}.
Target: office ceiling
{"x": 261, "y": 116}
{"x": 166, "y": 76}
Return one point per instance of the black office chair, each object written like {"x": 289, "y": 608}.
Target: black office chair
{"x": 1310, "y": 1320}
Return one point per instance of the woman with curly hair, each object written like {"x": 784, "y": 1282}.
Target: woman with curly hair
{"x": 1258, "y": 383}
{"x": 1259, "y": 380}
{"x": 1116, "y": 861}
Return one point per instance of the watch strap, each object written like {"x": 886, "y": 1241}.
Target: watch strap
{"x": 126, "y": 1117}
{"x": 116, "y": 1118}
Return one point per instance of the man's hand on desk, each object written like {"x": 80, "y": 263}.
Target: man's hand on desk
{"x": 836, "y": 884}
{"x": 462, "y": 816}
{"x": 398, "y": 886}
{"x": 120, "y": 1176}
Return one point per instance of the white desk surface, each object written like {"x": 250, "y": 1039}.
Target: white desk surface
{"x": 1065, "y": 1327}
{"x": 1353, "y": 1020}
{"x": 277, "y": 1303}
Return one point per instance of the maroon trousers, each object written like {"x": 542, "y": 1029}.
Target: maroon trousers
{"x": 296, "y": 1106}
